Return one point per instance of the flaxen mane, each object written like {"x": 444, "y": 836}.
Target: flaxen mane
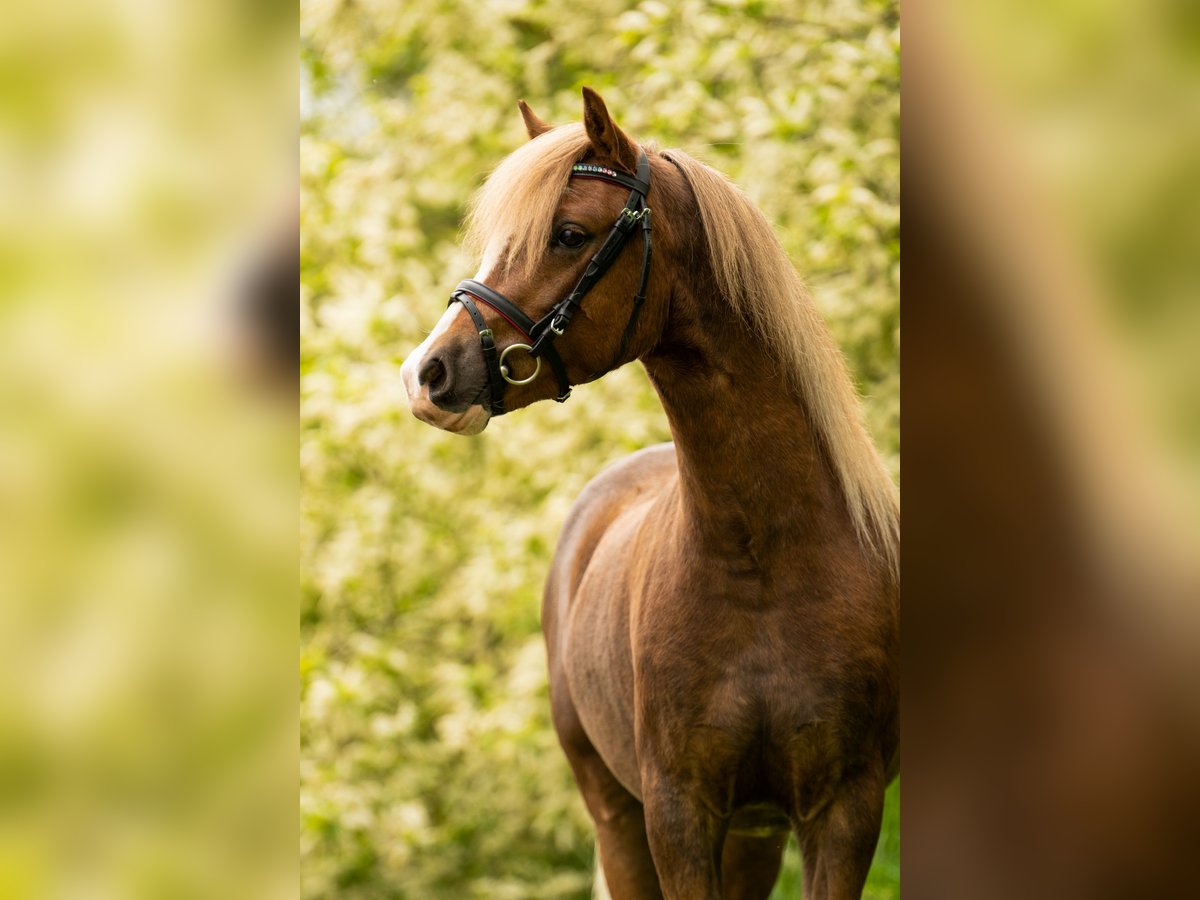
{"x": 513, "y": 212}
{"x": 757, "y": 278}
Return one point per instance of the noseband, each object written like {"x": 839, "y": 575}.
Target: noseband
{"x": 542, "y": 333}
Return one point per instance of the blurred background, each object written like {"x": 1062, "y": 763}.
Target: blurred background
{"x": 147, "y": 450}
{"x": 148, "y": 498}
{"x": 1051, "y": 725}
{"x": 429, "y": 767}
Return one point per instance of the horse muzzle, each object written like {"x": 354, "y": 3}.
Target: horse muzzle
{"x": 446, "y": 383}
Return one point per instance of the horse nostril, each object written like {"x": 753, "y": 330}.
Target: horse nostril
{"x": 432, "y": 372}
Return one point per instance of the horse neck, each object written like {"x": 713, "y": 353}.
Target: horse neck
{"x": 753, "y": 477}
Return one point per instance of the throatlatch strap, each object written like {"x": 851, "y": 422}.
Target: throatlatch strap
{"x": 640, "y": 297}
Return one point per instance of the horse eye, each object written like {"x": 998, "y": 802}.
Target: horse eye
{"x": 570, "y": 237}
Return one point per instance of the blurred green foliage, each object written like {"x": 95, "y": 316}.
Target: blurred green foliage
{"x": 147, "y": 494}
{"x": 429, "y": 767}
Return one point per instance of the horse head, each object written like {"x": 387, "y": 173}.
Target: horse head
{"x": 552, "y": 224}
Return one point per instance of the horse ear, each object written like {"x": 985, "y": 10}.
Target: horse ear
{"x": 609, "y": 140}
{"x": 533, "y": 124}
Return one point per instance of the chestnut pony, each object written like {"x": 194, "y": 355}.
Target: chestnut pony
{"x": 722, "y": 613}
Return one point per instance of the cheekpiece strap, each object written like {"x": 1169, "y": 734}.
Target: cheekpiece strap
{"x": 556, "y": 321}
{"x": 488, "y": 344}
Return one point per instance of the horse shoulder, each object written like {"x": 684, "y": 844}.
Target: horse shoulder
{"x": 601, "y": 502}
{"x": 585, "y": 613}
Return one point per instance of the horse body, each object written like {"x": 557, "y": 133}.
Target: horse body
{"x": 721, "y": 615}
{"x": 720, "y": 644}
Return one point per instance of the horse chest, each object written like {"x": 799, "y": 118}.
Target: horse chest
{"x": 721, "y": 694}
{"x": 742, "y": 715}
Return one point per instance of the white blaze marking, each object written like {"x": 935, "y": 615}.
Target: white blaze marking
{"x": 412, "y": 366}
{"x": 411, "y": 369}
{"x": 489, "y": 263}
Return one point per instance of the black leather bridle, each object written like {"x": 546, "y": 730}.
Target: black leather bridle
{"x": 542, "y": 333}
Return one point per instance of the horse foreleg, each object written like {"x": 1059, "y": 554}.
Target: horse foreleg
{"x": 686, "y": 838}
{"x": 839, "y": 846}
{"x": 620, "y": 824}
{"x": 620, "y": 830}
{"x": 750, "y": 865}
